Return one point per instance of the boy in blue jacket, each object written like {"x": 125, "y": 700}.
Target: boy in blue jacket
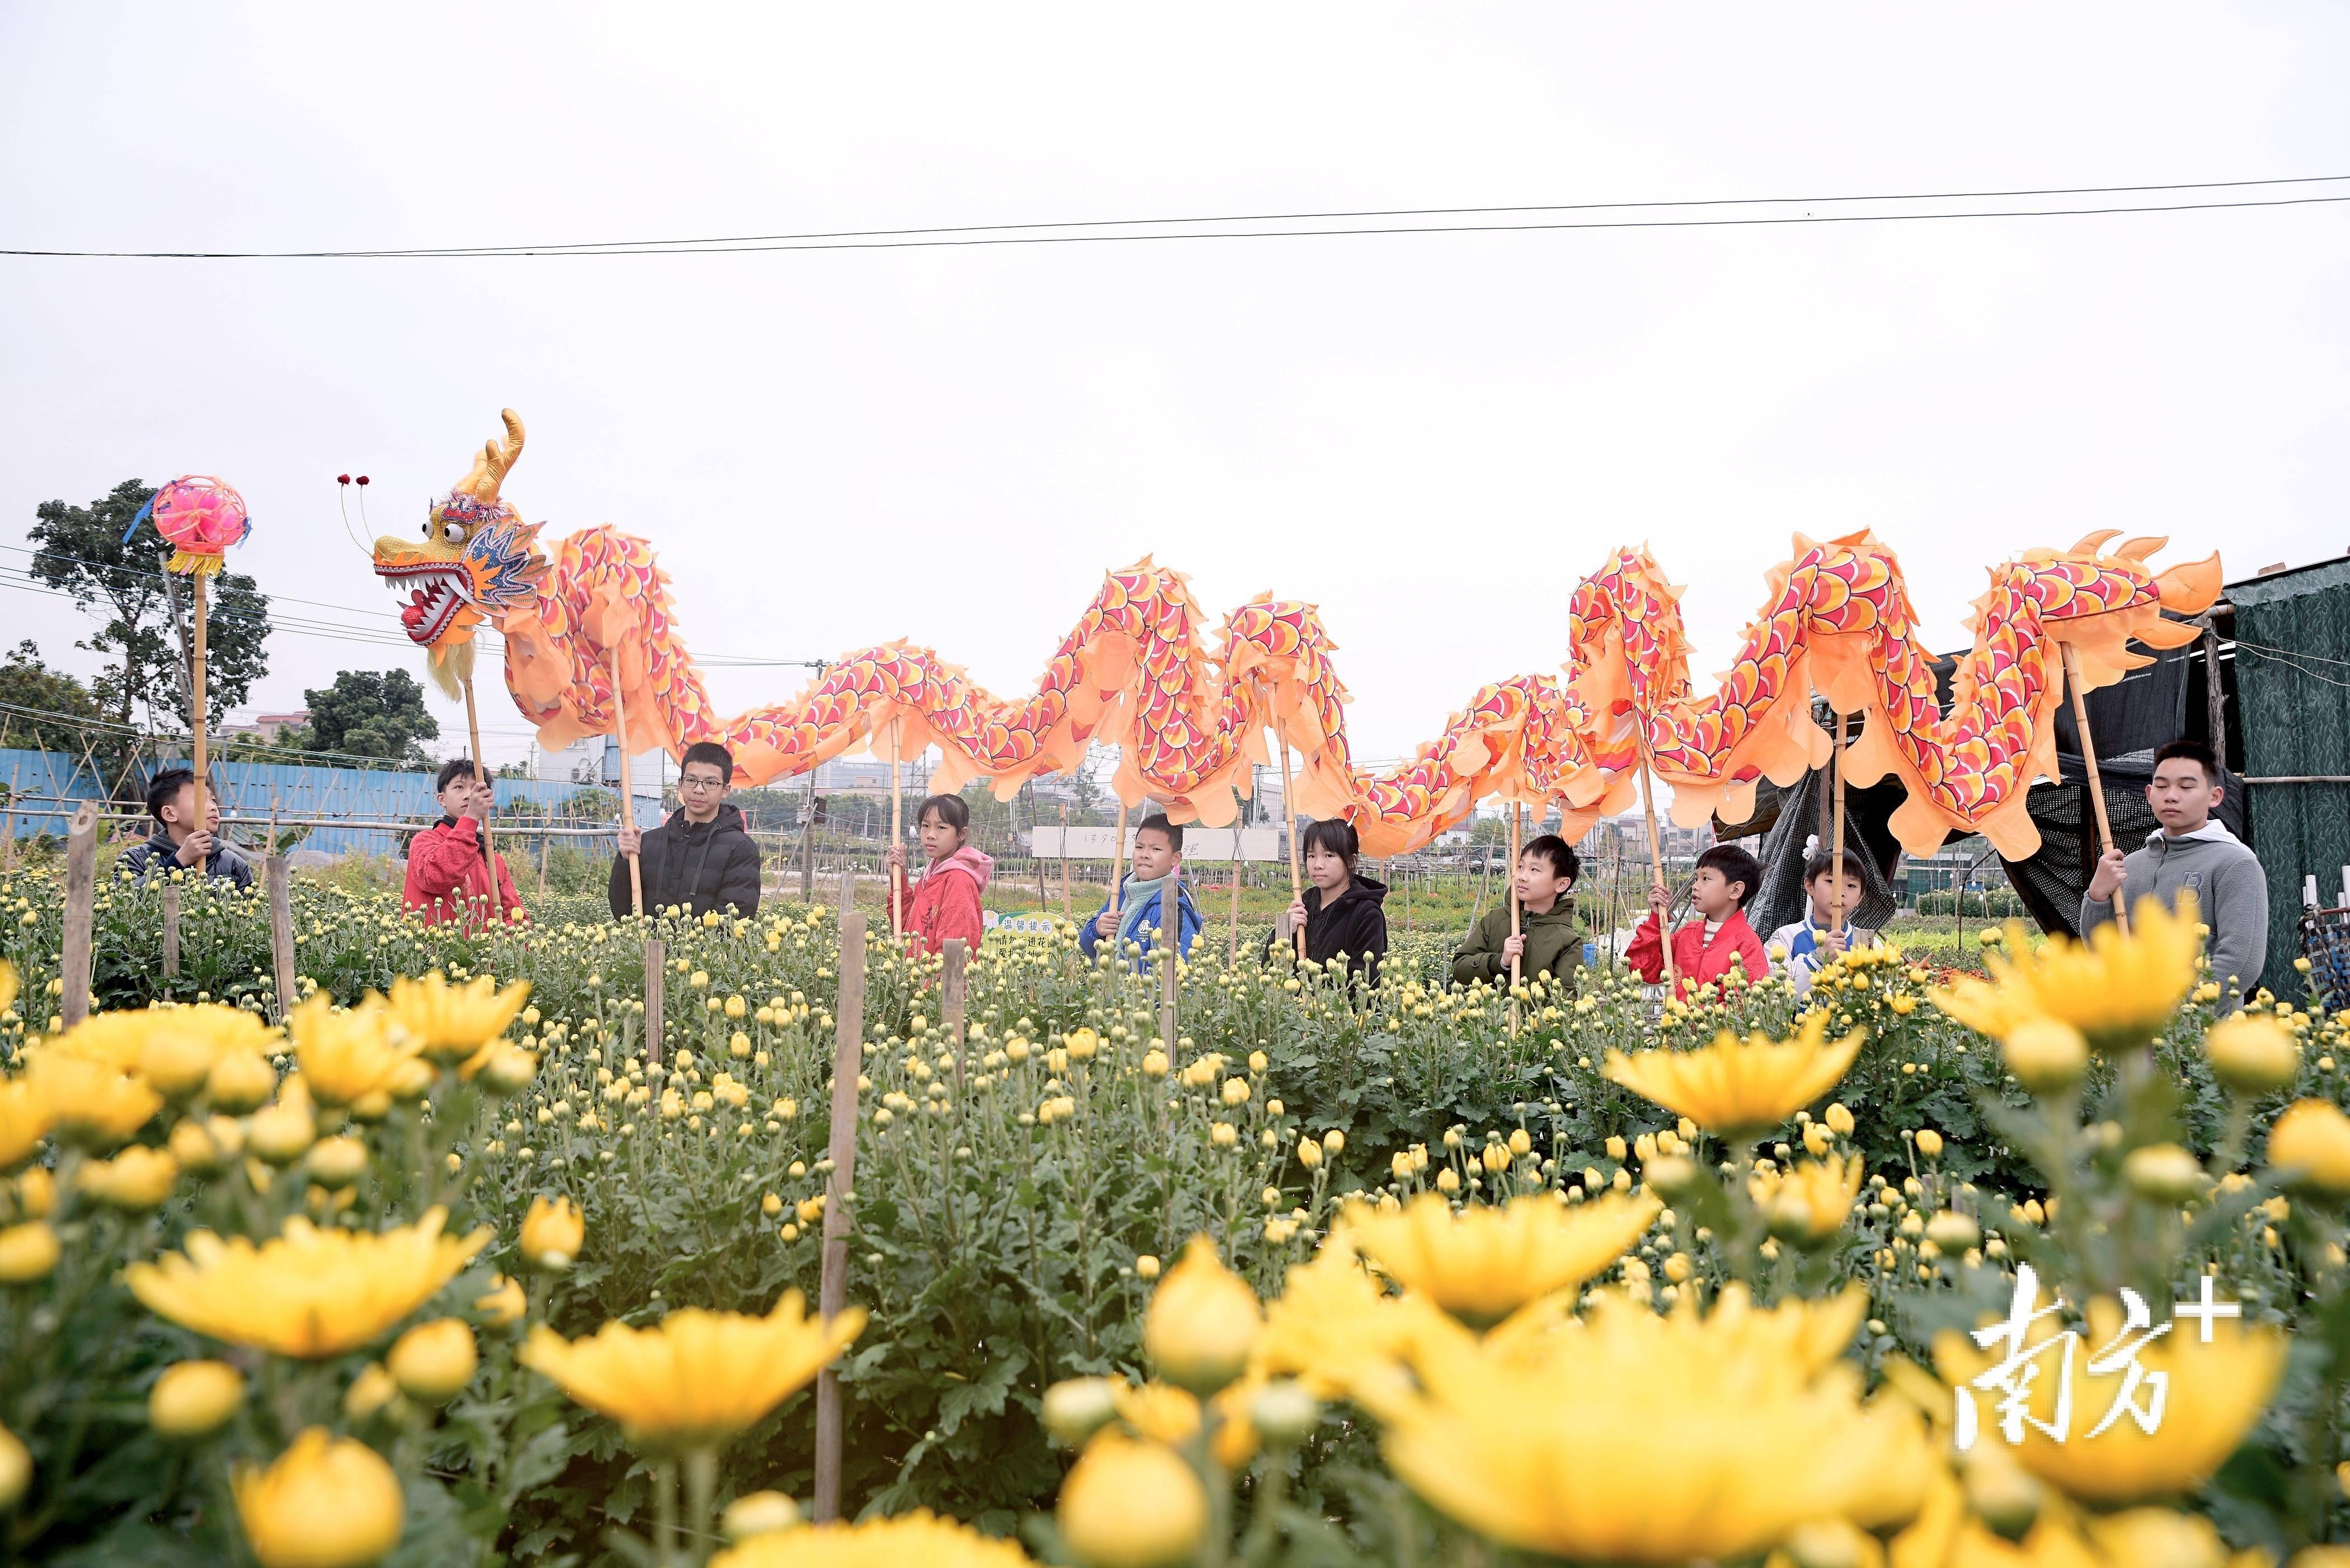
{"x": 1157, "y": 861}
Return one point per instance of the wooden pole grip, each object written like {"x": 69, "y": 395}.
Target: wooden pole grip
{"x": 2096, "y": 783}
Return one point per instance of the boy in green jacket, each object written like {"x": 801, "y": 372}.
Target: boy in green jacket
{"x": 1549, "y": 940}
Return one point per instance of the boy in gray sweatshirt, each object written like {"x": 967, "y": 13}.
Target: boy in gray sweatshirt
{"x": 2193, "y": 852}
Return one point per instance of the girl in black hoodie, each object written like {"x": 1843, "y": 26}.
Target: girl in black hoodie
{"x": 1341, "y": 912}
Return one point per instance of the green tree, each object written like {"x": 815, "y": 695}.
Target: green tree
{"x": 372, "y": 713}
{"x": 43, "y": 707}
{"x": 144, "y": 612}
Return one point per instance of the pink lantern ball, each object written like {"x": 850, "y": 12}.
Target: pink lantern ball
{"x": 200, "y": 517}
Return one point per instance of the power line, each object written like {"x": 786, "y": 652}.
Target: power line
{"x": 1118, "y": 230}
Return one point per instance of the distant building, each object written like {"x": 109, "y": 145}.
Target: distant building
{"x": 266, "y": 726}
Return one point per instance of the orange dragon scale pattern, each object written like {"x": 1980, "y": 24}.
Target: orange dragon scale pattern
{"x": 1189, "y": 716}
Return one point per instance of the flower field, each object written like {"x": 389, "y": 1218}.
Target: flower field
{"x": 452, "y": 1270}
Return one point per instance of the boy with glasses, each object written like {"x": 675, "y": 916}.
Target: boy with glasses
{"x": 701, "y": 858}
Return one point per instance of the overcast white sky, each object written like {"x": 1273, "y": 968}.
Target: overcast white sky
{"x": 1431, "y": 436}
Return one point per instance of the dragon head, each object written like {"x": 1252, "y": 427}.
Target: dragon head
{"x": 477, "y": 558}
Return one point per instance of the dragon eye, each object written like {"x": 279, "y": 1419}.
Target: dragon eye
{"x": 453, "y": 531}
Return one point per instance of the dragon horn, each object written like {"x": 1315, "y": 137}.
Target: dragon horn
{"x": 495, "y": 462}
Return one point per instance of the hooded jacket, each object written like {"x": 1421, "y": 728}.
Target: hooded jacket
{"x": 448, "y": 879}
{"x": 159, "y": 857}
{"x": 945, "y": 902}
{"x": 1355, "y": 924}
{"x": 697, "y": 866}
{"x": 2231, "y": 897}
{"x": 1553, "y": 945}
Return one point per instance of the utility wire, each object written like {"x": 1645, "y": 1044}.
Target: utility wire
{"x": 1107, "y": 231}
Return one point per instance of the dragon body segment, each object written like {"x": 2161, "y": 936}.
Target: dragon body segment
{"x": 1188, "y": 717}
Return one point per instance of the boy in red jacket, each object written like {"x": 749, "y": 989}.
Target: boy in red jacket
{"x": 448, "y": 877}
{"x": 1719, "y": 940}
{"x": 945, "y": 902}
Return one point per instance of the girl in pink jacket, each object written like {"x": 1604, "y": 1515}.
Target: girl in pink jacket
{"x": 945, "y": 902}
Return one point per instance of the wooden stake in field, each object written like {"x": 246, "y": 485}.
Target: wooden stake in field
{"x": 832, "y": 1288}
{"x": 1656, "y": 861}
{"x": 277, "y": 875}
{"x": 2097, "y": 785}
{"x": 628, "y": 787}
{"x": 897, "y": 834}
{"x": 81, "y": 901}
{"x": 1170, "y": 964}
{"x": 1236, "y": 954}
{"x": 1835, "y": 848}
{"x": 956, "y": 955}
{"x": 656, "y": 993}
{"x": 170, "y": 931}
{"x": 482, "y": 777}
{"x": 1289, "y": 815}
{"x": 9, "y": 824}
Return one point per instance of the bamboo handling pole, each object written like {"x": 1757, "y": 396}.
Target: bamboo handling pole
{"x": 832, "y": 1288}
{"x": 1289, "y": 815}
{"x": 489, "y": 809}
{"x": 897, "y": 834}
{"x": 1517, "y": 966}
{"x": 2097, "y": 785}
{"x": 1064, "y": 860}
{"x": 1116, "y": 870}
{"x": 628, "y": 787}
{"x": 1835, "y": 848}
{"x": 196, "y": 710}
{"x": 1657, "y": 859}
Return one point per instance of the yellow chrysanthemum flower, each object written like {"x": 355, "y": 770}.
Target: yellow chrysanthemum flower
{"x": 450, "y": 1022}
{"x": 1485, "y": 1262}
{"x": 9, "y": 982}
{"x": 309, "y": 1293}
{"x": 1738, "y": 1089}
{"x": 88, "y": 1099}
{"x": 2310, "y": 1147}
{"x": 907, "y": 1538}
{"x": 2118, "y": 991}
{"x": 24, "y": 1121}
{"x": 1811, "y": 1202}
{"x": 1201, "y": 1321}
{"x": 349, "y": 1054}
{"x": 1331, "y": 1321}
{"x": 327, "y": 1502}
{"x": 2216, "y": 1393}
{"x": 1634, "y": 1437}
{"x": 698, "y": 1378}
{"x": 138, "y": 1180}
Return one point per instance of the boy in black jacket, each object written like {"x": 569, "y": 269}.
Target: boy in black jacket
{"x": 702, "y": 857}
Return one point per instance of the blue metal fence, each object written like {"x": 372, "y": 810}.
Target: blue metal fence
{"x": 45, "y": 787}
